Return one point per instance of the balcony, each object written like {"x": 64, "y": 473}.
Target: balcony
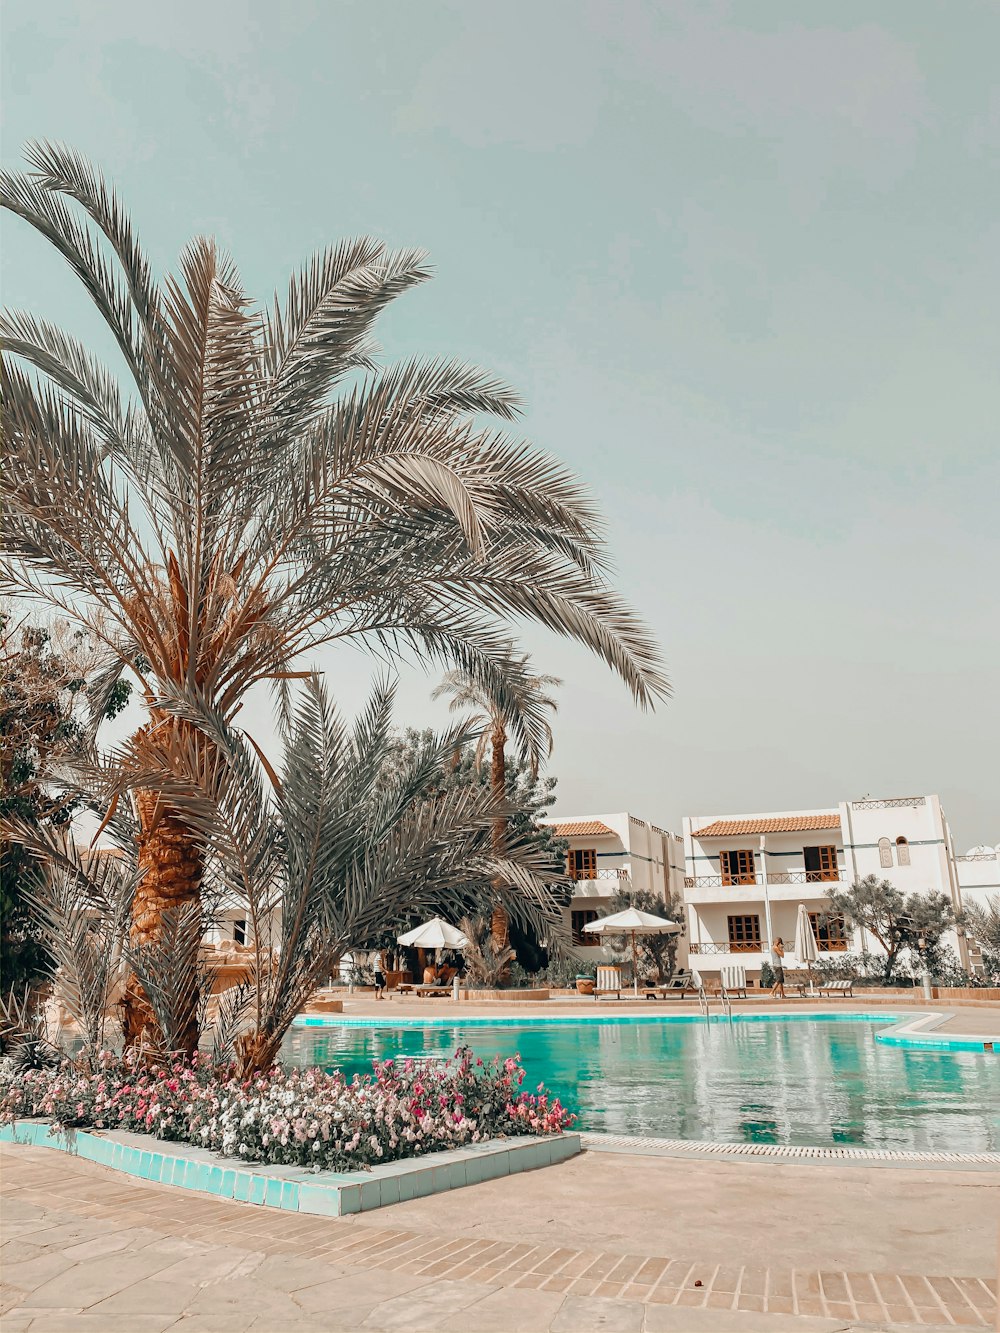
{"x": 787, "y": 886}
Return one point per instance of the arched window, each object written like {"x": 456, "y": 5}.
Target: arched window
{"x": 902, "y": 852}
{"x": 885, "y": 853}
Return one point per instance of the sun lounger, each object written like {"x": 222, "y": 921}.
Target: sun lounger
{"x": 609, "y": 981}
{"x": 679, "y": 984}
{"x": 843, "y": 987}
{"x": 734, "y": 981}
{"x": 422, "y": 988}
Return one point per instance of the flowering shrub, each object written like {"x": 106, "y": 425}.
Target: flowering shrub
{"x": 294, "y": 1117}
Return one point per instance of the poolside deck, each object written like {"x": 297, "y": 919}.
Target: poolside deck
{"x": 979, "y": 1018}
{"x": 626, "y": 1243}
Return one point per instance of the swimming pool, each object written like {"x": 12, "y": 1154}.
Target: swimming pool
{"x": 819, "y": 1082}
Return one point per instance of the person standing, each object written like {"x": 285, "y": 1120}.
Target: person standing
{"x": 379, "y": 977}
{"x": 778, "y": 967}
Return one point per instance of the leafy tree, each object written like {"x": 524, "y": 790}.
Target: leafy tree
{"x": 982, "y": 920}
{"x": 47, "y": 675}
{"x": 656, "y": 954}
{"x": 522, "y": 709}
{"x": 260, "y": 486}
{"x": 897, "y": 923}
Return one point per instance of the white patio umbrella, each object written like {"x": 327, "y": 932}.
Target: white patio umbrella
{"x": 434, "y": 934}
{"x": 633, "y": 922}
{"x": 805, "y": 942}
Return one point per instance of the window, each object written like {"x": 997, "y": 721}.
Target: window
{"x": 884, "y": 853}
{"x": 582, "y": 863}
{"x": 240, "y": 932}
{"x": 738, "y": 867}
{"x": 579, "y": 919}
{"x": 744, "y": 934}
{"x": 902, "y": 852}
{"x": 830, "y": 932}
{"x": 821, "y": 863}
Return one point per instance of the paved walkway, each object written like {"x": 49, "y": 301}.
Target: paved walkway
{"x": 622, "y": 1244}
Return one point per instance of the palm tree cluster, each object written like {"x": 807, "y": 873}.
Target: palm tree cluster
{"x": 256, "y": 486}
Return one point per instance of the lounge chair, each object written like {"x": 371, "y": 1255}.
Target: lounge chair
{"x": 679, "y": 984}
{"x": 734, "y": 981}
{"x": 609, "y": 981}
{"x": 842, "y": 987}
{"x": 423, "y": 988}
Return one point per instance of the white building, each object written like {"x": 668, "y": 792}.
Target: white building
{"x": 607, "y": 852}
{"x": 745, "y": 875}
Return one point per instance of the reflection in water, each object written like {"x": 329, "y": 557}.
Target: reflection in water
{"x": 796, "y": 1082}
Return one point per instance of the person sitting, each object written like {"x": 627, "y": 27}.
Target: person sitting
{"x": 431, "y": 975}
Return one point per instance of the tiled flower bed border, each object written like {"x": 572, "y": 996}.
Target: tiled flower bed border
{"x": 326, "y": 1193}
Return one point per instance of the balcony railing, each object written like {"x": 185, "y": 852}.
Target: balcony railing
{"x": 579, "y": 875}
{"x": 750, "y": 946}
{"x": 744, "y": 946}
{"x": 895, "y": 804}
{"x": 749, "y": 882}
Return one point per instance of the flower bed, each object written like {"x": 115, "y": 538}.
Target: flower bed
{"x": 302, "y": 1118}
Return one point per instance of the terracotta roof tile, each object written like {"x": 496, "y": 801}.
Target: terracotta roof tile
{"x": 582, "y": 828}
{"x": 728, "y": 828}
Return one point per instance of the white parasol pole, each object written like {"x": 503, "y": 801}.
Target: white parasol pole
{"x": 635, "y": 968}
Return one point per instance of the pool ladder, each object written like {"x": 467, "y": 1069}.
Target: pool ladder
{"x": 726, "y": 1002}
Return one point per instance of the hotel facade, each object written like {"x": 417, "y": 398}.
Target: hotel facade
{"x": 743, "y": 876}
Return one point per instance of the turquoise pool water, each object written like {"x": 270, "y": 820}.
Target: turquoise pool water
{"x": 822, "y": 1083}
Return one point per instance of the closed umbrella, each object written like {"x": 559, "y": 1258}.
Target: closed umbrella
{"x": 805, "y": 942}
{"x": 633, "y": 922}
{"x": 434, "y": 934}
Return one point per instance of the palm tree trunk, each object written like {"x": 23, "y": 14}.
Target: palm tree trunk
{"x": 500, "y": 923}
{"x": 172, "y": 865}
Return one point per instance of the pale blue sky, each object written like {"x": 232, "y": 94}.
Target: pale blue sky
{"x": 742, "y": 261}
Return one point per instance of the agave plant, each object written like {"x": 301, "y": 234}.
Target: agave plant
{"x": 259, "y": 487}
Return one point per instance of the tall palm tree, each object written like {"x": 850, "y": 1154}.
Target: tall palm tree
{"x": 259, "y": 486}
{"x": 523, "y": 710}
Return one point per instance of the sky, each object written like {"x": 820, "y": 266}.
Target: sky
{"x": 742, "y": 262}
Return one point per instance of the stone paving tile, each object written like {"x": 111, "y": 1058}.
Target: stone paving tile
{"x": 171, "y": 1297}
{"x": 357, "y": 1289}
{"x": 83, "y": 1285}
{"x": 588, "y": 1314}
{"x": 30, "y": 1274}
{"x": 10, "y": 1297}
{"x": 424, "y": 1309}
{"x": 19, "y": 1251}
{"x": 215, "y": 1323}
{"x": 512, "y": 1311}
{"x": 194, "y": 1240}
{"x": 54, "y": 1321}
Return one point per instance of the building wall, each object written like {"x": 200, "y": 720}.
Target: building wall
{"x": 903, "y": 839}
{"x": 636, "y": 853}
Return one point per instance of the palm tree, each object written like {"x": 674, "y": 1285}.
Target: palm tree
{"x": 523, "y": 710}
{"x": 259, "y": 487}
{"x": 343, "y": 849}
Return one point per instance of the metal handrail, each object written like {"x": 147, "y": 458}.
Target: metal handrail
{"x": 727, "y": 1004}
{"x": 755, "y": 881}
{"x": 703, "y": 1003}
